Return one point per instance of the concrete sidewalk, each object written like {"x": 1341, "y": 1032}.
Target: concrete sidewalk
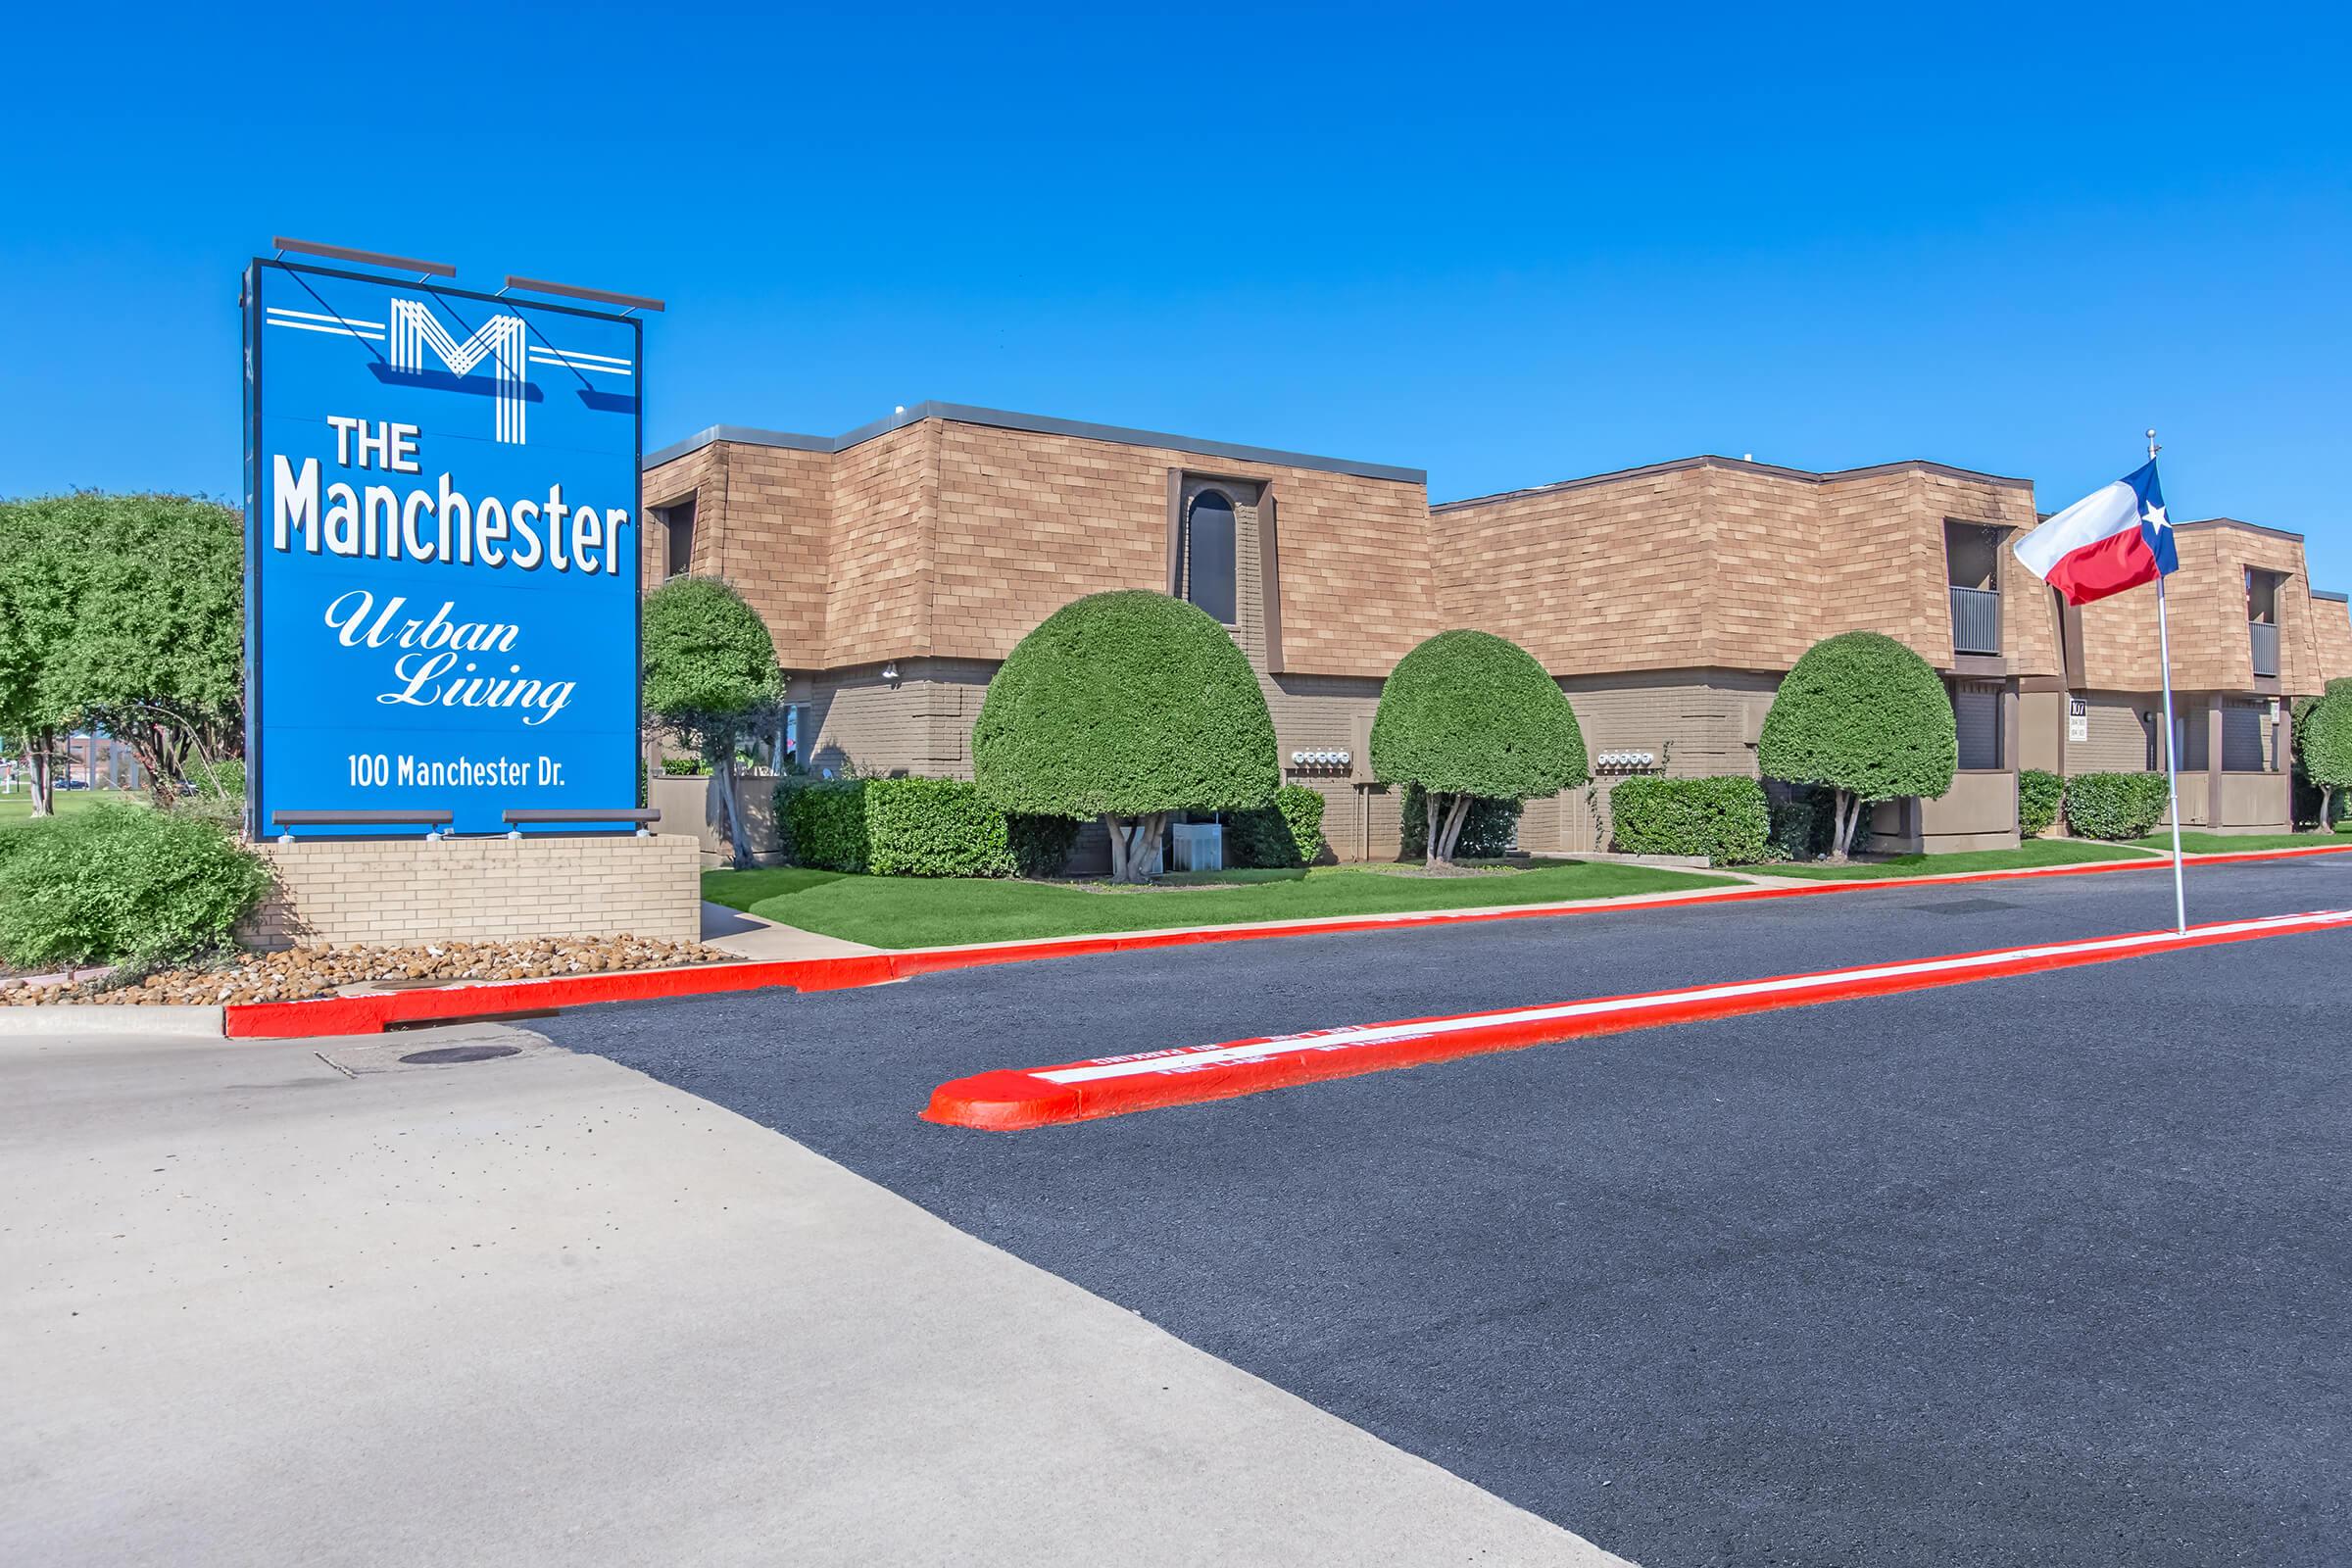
{"x": 280, "y": 1303}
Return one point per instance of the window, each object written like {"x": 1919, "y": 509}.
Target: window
{"x": 678, "y": 530}
{"x": 1209, "y": 555}
{"x": 2262, "y": 596}
{"x": 2245, "y": 738}
{"x": 1977, "y": 715}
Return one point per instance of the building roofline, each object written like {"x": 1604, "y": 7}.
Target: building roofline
{"x": 2331, "y": 595}
{"x": 1742, "y": 466}
{"x": 2196, "y": 524}
{"x": 1035, "y": 423}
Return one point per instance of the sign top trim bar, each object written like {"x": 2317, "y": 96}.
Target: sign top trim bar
{"x": 344, "y": 253}
{"x": 538, "y": 285}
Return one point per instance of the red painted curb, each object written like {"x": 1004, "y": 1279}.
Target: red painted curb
{"x": 371, "y": 1014}
{"x": 1015, "y": 1099}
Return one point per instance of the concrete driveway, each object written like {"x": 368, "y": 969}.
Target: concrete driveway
{"x": 268, "y": 1307}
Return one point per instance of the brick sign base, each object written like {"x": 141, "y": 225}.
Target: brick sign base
{"x": 332, "y": 893}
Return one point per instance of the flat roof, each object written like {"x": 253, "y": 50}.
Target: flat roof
{"x": 1037, "y": 423}
{"x": 1745, "y": 465}
{"x": 2332, "y": 596}
{"x": 2238, "y": 522}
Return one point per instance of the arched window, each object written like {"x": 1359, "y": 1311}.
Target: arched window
{"x": 1209, "y": 555}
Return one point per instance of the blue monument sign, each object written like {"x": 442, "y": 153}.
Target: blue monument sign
{"x": 441, "y": 544}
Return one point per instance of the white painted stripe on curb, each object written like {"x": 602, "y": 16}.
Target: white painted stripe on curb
{"x": 1352, "y": 1036}
{"x": 99, "y": 1018}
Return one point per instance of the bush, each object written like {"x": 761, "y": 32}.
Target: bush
{"x": 2322, "y": 740}
{"x": 1487, "y": 829}
{"x": 1126, "y": 705}
{"x": 933, "y": 827}
{"x": 2038, "y": 795}
{"x": 1471, "y": 715}
{"x": 121, "y": 883}
{"x": 1722, "y": 818}
{"x": 1866, "y": 716}
{"x": 2114, "y": 806}
{"x": 915, "y": 827}
{"x": 216, "y": 794}
{"x": 823, "y": 823}
{"x": 1287, "y": 833}
{"x": 685, "y": 766}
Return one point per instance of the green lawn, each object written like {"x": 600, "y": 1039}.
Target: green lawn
{"x": 2197, "y": 843}
{"x": 17, "y": 808}
{"x": 886, "y": 911}
{"x": 2040, "y": 851}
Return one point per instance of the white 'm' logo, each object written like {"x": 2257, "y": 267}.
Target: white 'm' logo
{"x": 500, "y": 339}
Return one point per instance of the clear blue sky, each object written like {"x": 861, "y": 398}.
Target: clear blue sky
{"x": 1506, "y": 247}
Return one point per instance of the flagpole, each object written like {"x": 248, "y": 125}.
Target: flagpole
{"x": 2171, "y": 762}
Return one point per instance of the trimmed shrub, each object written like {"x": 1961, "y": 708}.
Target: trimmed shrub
{"x": 685, "y": 766}
{"x": 2323, "y": 736}
{"x": 1287, "y": 833}
{"x": 1470, "y": 715}
{"x": 121, "y": 883}
{"x": 1487, "y": 831}
{"x": 915, "y": 827}
{"x": 933, "y": 827}
{"x": 2114, "y": 806}
{"x": 1862, "y": 715}
{"x": 823, "y": 823}
{"x": 1722, "y": 819}
{"x": 1127, "y": 706}
{"x": 2038, "y": 793}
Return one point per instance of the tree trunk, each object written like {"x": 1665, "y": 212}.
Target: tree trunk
{"x": 739, "y": 847}
{"x": 2327, "y": 799}
{"x": 1456, "y": 816}
{"x": 37, "y": 753}
{"x": 1849, "y": 813}
{"x": 1117, "y": 832}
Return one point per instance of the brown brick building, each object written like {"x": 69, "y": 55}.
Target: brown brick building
{"x": 899, "y": 563}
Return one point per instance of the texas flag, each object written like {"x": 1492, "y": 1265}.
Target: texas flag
{"x": 2111, "y": 539}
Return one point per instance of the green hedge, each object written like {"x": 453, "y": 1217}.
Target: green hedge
{"x": 121, "y": 883}
{"x": 1722, "y": 819}
{"x": 1487, "y": 832}
{"x": 1287, "y": 833}
{"x": 2038, "y": 796}
{"x": 915, "y": 827}
{"x": 2114, "y": 806}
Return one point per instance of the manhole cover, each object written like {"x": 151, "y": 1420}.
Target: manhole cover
{"x": 450, "y": 1054}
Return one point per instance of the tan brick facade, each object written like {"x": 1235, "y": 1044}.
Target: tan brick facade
{"x": 896, "y": 565}
{"x": 395, "y": 891}
{"x": 2331, "y": 636}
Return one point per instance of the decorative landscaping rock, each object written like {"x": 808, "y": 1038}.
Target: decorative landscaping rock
{"x": 300, "y": 972}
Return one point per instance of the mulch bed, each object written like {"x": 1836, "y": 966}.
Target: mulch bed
{"x": 301, "y": 972}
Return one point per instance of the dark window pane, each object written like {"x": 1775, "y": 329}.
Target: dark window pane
{"x": 677, "y": 523}
{"x": 1208, "y": 555}
{"x": 2245, "y": 739}
{"x": 1976, "y": 713}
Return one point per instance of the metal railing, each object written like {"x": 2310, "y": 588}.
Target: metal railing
{"x": 1976, "y": 621}
{"x": 2265, "y": 647}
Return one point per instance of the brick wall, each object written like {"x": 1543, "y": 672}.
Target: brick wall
{"x": 2206, "y": 601}
{"x": 2331, "y": 637}
{"x": 331, "y": 893}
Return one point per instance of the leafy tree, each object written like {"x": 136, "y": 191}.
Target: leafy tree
{"x": 1866, "y": 716}
{"x": 2323, "y": 745}
{"x": 1129, "y": 706}
{"x": 1468, "y": 715}
{"x": 123, "y": 615}
{"x": 712, "y": 681}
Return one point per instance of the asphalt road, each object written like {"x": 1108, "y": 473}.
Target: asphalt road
{"x": 2042, "y": 1270}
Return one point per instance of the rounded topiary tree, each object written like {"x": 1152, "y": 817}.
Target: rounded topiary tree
{"x": 2323, "y": 745}
{"x": 1466, "y": 717}
{"x": 711, "y": 679}
{"x": 1866, "y": 716}
{"x": 1127, "y": 707}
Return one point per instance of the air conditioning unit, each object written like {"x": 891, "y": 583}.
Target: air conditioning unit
{"x": 1198, "y": 846}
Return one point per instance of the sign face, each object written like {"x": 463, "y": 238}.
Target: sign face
{"x": 441, "y": 543}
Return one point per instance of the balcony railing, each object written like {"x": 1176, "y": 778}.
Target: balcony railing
{"x": 1976, "y": 621}
{"x": 2265, "y": 647}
